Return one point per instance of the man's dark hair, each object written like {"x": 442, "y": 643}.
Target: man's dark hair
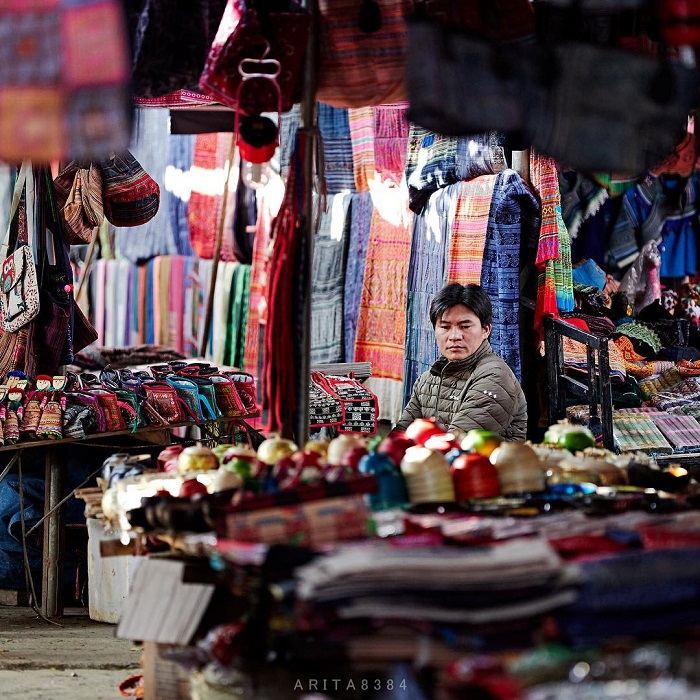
{"x": 470, "y": 295}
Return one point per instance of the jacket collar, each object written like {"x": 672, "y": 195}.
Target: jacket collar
{"x": 442, "y": 365}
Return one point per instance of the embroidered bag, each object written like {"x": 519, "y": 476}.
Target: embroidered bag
{"x": 108, "y": 402}
{"x": 244, "y": 384}
{"x": 78, "y": 421}
{"x": 187, "y": 391}
{"x": 19, "y": 296}
{"x": 131, "y": 197}
{"x": 167, "y": 404}
{"x": 245, "y": 33}
{"x": 360, "y": 407}
{"x": 325, "y": 408}
{"x": 51, "y": 424}
{"x": 78, "y": 193}
{"x": 227, "y": 398}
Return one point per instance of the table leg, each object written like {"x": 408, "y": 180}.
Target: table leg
{"x": 54, "y": 536}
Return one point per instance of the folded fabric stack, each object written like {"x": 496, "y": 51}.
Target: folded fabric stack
{"x": 634, "y": 594}
{"x": 638, "y": 431}
{"x": 478, "y": 588}
{"x": 575, "y": 358}
{"x": 688, "y": 391}
{"x": 682, "y": 431}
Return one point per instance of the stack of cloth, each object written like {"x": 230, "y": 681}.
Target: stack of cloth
{"x": 634, "y": 594}
{"x": 682, "y": 431}
{"x": 637, "y": 431}
{"x": 688, "y": 391}
{"x": 476, "y": 591}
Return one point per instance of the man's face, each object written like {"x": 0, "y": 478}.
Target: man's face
{"x": 459, "y": 333}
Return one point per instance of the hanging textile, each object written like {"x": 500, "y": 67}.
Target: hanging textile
{"x": 554, "y": 283}
{"x": 244, "y": 221}
{"x": 426, "y": 276}
{"x": 206, "y": 200}
{"x": 269, "y": 202}
{"x": 466, "y": 252}
{"x": 220, "y": 310}
{"x": 337, "y": 148}
{"x": 280, "y": 373}
{"x": 178, "y": 187}
{"x": 238, "y": 317}
{"x": 360, "y": 220}
{"x": 328, "y": 281}
{"x": 289, "y": 124}
{"x": 381, "y": 323}
{"x": 150, "y": 148}
{"x": 361, "y": 122}
{"x": 514, "y": 218}
{"x": 391, "y": 131}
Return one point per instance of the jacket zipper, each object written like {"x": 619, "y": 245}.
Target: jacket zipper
{"x": 437, "y": 400}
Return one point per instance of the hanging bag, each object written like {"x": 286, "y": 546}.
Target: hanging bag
{"x": 19, "y": 297}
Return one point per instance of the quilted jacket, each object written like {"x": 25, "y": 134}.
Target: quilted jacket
{"x": 479, "y": 391}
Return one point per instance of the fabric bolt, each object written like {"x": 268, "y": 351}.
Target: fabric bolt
{"x": 360, "y": 221}
{"x": 234, "y": 348}
{"x": 151, "y": 150}
{"x": 220, "y": 310}
{"x": 176, "y": 300}
{"x": 426, "y": 276}
{"x": 334, "y": 126}
{"x": 119, "y": 302}
{"x": 513, "y": 217}
{"x": 638, "y": 431}
{"x": 466, "y": 251}
{"x": 381, "y": 320}
{"x": 269, "y": 202}
{"x": 683, "y": 432}
{"x": 209, "y": 164}
{"x": 328, "y": 281}
{"x": 178, "y": 187}
{"x": 189, "y": 329}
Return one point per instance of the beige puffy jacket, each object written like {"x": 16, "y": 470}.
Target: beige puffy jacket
{"x": 480, "y": 391}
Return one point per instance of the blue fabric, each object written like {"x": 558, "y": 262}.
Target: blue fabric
{"x": 514, "y": 217}
{"x": 180, "y": 157}
{"x": 149, "y": 336}
{"x": 589, "y": 274}
{"x": 334, "y": 126}
{"x": 426, "y": 276}
{"x": 360, "y": 220}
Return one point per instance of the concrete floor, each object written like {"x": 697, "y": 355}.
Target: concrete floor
{"x": 81, "y": 660}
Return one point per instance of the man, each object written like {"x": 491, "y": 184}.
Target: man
{"x": 469, "y": 386}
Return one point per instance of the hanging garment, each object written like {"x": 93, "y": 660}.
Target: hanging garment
{"x": 360, "y": 220}
{"x": 581, "y": 198}
{"x": 178, "y": 187}
{"x": 663, "y": 209}
{"x": 426, "y": 276}
{"x": 466, "y": 251}
{"x": 289, "y": 124}
{"x": 513, "y": 218}
{"x": 269, "y": 202}
{"x": 238, "y": 317}
{"x": 435, "y": 161}
{"x": 220, "y": 312}
{"x": 176, "y": 301}
{"x": 211, "y": 153}
{"x": 244, "y": 221}
{"x": 381, "y": 323}
{"x": 328, "y": 281}
{"x": 151, "y": 150}
{"x": 334, "y": 126}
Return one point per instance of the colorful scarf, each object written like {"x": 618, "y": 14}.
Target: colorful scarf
{"x": 238, "y": 317}
{"x": 361, "y": 122}
{"x": 466, "y": 252}
{"x": 360, "y": 220}
{"x": 513, "y": 210}
{"x": 328, "y": 281}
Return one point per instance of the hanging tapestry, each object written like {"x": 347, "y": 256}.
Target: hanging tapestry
{"x": 466, "y": 252}
{"x": 211, "y": 153}
{"x": 514, "y": 218}
{"x": 426, "y": 276}
{"x": 337, "y": 148}
{"x": 328, "y": 281}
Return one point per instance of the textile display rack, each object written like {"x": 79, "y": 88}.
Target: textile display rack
{"x": 597, "y": 387}
{"x": 55, "y": 480}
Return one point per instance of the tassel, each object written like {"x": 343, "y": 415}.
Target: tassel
{"x": 370, "y": 19}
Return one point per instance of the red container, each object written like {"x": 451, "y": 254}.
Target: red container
{"x": 474, "y": 476}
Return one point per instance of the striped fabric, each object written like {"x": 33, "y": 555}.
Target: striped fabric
{"x": 337, "y": 149}
{"x": 575, "y": 358}
{"x": 667, "y": 381}
{"x": 466, "y": 251}
{"x": 328, "y": 281}
{"x": 686, "y": 392}
{"x": 361, "y": 122}
{"x": 543, "y": 175}
{"x": 426, "y": 276}
{"x": 683, "y": 432}
{"x": 637, "y": 431}
{"x": 360, "y": 221}
{"x": 358, "y": 68}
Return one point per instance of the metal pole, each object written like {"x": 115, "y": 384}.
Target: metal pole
{"x": 54, "y": 537}
{"x": 308, "y": 126}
